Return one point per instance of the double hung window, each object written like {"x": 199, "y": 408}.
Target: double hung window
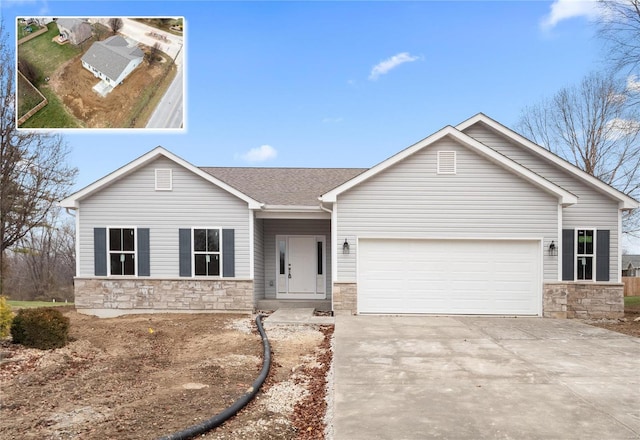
{"x": 206, "y": 252}
{"x": 122, "y": 251}
{"x": 585, "y": 254}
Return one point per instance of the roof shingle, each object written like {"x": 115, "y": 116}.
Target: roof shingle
{"x": 284, "y": 186}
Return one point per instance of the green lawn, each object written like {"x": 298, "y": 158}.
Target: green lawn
{"x": 633, "y": 301}
{"x": 23, "y": 32}
{"x": 53, "y": 115}
{"x": 46, "y": 55}
{"x": 28, "y": 96}
{"x": 34, "y": 304}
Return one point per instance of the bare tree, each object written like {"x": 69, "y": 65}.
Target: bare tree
{"x": 43, "y": 262}
{"x": 620, "y": 26}
{"x": 115, "y": 24}
{"x": 34, "y": 174}
{"x": 153, "y": 54}
{"x": 595, "y": 126}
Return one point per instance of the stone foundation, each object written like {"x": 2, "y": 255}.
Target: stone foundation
{"x": 583, "y": 300}
{"x": 345, "y": 297}
{"x": 139, "y": 295}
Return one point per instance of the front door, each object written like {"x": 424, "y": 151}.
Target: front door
{"x": 300, "y": 266}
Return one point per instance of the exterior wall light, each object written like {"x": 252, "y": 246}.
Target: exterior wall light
{"x": 553, "y": 251}
{"x": 345, "y": 247}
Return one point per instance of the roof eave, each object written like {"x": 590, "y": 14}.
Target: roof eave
{"x": 626, "y": 202}
{"x": 73, "y": 200}
{"x": 565, "y": 197}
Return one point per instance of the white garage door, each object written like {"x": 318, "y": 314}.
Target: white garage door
{"x": 491, "y": 277}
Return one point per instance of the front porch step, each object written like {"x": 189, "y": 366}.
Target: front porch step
{"x": 275, "y": 304}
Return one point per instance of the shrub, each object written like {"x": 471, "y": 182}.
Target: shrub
{"x": 6, "y": 316}
{"x": 43, "y": 328}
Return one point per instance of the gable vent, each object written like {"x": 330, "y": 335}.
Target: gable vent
{"x": 164, "y": 180}
{"x": 446, "y": 162}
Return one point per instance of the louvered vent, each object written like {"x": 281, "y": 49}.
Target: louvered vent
{"x": 164, "y": 181}
{"x": 446, "y": 162}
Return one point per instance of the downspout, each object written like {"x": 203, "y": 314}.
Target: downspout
{"x": 334, "y": 255}
{"x": 77, "y": 237}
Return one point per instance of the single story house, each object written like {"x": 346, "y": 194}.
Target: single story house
{"x": 75, "y": 30}
{"x": 474, "y": 219}
{"x": 631, "y": 265}
{"x": 112, "y": 60}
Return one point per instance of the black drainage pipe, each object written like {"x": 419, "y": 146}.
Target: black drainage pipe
{"x": 242, "y": 401}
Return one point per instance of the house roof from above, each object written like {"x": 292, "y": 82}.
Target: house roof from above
{"x": 71, "y": 24}
{"x": 284, "y": 186}
{"x": 111, "y": 56}
{"x": 633, "y": 260}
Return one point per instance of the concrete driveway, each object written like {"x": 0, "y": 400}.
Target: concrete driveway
{"x": 483, "y": 378}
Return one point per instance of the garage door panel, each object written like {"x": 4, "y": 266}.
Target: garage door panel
{"x": 449, "y": 276}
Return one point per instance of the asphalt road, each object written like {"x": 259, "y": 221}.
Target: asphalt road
{"x": 169, "y": 113}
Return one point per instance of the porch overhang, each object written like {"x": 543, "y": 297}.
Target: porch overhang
{"x": 292, "y": 212}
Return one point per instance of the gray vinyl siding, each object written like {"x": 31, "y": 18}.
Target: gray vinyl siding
{"x": 594, "y": 208}
{"x": 193, "y": 202}
{"x": 258, "y": 255}
{"x": 273, "y": 227}
{"x": 409, "y": 200}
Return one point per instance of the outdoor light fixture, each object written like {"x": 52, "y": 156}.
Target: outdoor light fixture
{"x": 553, "y": 251}
{"x": 345, "y": 247}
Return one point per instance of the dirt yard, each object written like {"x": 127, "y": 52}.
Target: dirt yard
{"x": 145, "y": 376}
{"x": 628, "y": 325}
{"x": 74, "y": 85}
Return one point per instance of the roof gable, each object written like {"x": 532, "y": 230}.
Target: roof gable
{"x": 565, "y": 197}
{"x": 625, "y": 201}
{"x": 111, "y": 56}
{"x": 73, "y": 200}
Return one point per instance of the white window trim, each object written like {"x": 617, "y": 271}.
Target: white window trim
{"x": 135, "y": 251}
{"x": 170, "y": 188}
{"x": 193, "y": 253}
{"x": 455, "y": 163}
{"x": 576, "y": 255}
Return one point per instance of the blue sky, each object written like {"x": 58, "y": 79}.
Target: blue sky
{"x": 340, "y": 84}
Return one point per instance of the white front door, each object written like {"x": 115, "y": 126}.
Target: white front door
{"x": 300, "y": 266}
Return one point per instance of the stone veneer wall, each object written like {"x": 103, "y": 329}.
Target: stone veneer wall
{"x": 583, "y": 300}
{"x": 345, "y": 297}
{"x": 561, "y": 300}
{"x": 142, "y": 294}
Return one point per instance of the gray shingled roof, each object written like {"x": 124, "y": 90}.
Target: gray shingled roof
{"x": 111, "y": 56}
{"x": 633, "y": 259}
{"x": 284, "y": 186}
{"x": 71, "y": 24}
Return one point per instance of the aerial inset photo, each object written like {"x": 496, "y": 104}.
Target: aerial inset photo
{"x": 103, "y": 72}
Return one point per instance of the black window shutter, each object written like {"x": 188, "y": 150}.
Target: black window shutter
{"x": 568, "y": 258}
{"x": 602, "y": 255}
{"x": 228, "y": 253}
{"x": 185, "y": 252}
{"x": 100, "y": 251}
{"x": 144, "y": 263}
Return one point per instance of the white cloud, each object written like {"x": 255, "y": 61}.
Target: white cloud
{"x": 259, "y": 154}
{"x": 566, "y": 9}
{"x": 332, "y": 120}
{"x": 385, "y": 66}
